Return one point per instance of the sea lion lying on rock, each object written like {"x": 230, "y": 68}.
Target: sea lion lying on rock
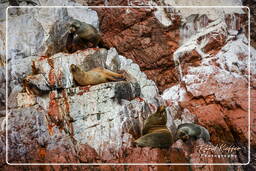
{"x": 95, "y": 76}
{"x": 190, "y": 131}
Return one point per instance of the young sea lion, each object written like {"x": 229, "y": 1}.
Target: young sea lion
{"x": 190, "y": 131}
{"x": 74, "y": 43}
{"x": 86, "y": 32}
{"x": 155, "y": 133}
{"x": 94, "y": 76}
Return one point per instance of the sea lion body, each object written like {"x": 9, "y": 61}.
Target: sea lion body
{"x": 94, "y": 76}
{"x": 192, "y": 131}
{"x": 155, "y": 121}
{"x": 17, "y": 2}
{"x": 155, "y": 133}
{"x": 157, "y": 139}
{"x": 88, "y": 33}
{"x": 74, "y": 43}
{"x": 85, "y": 32}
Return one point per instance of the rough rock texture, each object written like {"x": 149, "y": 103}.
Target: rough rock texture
{"x": 65, "y": 116}
{"x": 138, "y": 35}
{"x": 88, "y": 107}
{"x": 252, "y": 5}
{"x": 211, "y": 59}
{"x": 82, "y": 113}
{"x": 213, "y": 68}
{"x": 198, "y": 59}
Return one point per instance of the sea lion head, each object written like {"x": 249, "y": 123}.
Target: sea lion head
{"x": 160, "y": 116}
{"x": 74, "y": 68}
{"x": 182, "y": 134}
{"x": 74, "y": 26}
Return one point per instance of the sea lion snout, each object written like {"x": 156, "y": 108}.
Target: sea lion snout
{"x": 182, "y": 135}
{"x": 72, "y": 29}
{"x": 74, "y": 26}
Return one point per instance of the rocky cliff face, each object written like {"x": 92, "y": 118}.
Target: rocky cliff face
{"x": 195, "y": 61}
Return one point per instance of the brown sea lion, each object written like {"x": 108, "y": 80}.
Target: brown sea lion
{"x": 81, "y": 31}
{"x": 155, "y": 133}
{"x": 95, "y": 76}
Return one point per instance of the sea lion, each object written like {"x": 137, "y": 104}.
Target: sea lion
{"x": 86, "y": 32}
{"x": 13, "y": 3}
{"x": 155, "y": 133}
{"x": 74, "y": 43}
{"x": 17, "y": 2}
{"x": 95, "y": 76}
{"x": 190, "y": 131}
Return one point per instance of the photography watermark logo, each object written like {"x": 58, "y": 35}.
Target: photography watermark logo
{"x": 218, "y": 151}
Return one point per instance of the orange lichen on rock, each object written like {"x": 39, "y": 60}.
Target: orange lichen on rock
{"x": 50, "y": 129}
{"x": 67, "y": 105}
{"x": 43, "y": 58}
{"x": 53, "y": 112}
{"x": 33, "y": 66}
{"x": 139, "y": 99}
{"x": 139, "y": 36}
{"x": 84, "y": 90}
{"x": 42, "y": 152}
{"x": 53, "y": 105}
{"x": 51, "y": 73}
{"x": 59, "y": 78}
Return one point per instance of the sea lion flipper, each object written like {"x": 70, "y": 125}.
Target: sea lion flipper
{"x": 108, "y": 72}
{"x": 162, "y": 139}
{"x": 111, "y": 78}
{"x": 95, "y": 76}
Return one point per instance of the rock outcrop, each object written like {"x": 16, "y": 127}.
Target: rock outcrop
{"x": 195, "y": 61}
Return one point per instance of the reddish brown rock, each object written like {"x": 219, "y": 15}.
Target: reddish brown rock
{"x": 114, "y": 2}
{"x": 201, "y": 152}
{"x": 215, "y": 44}
{"x": 191, "y": 58}
{"x": 253, "y": 117}
{"x": 138, "y": 35}
{"x": 252, "y": 5}
{"x": 149, "y": 155}
{"x": 225, "y": 114}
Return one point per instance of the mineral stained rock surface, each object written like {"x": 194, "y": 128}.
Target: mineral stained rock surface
{"x": 195, "y": 61}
